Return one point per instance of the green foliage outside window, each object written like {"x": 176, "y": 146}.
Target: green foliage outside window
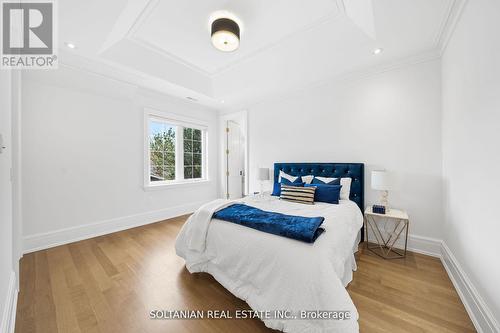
{"x": 192, "y": 153}
{"x": 162, "y": 154}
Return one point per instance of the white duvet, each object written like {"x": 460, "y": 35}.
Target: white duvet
{"x": 272, "y": 272}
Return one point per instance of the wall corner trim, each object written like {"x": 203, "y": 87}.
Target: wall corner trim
{"x": 10, "y": 307}
{"x": 480, "y": 314}
{"x": 42, "y": 241}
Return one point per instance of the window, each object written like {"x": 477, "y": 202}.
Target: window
{"x": 176, "y": 151}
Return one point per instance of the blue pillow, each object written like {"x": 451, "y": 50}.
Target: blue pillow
{"x": 277, "y": 186}
{"x": 333, "y": 182}
{"x": 326, "y": 193}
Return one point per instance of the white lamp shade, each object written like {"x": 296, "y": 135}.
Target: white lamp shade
{"x": 263, "y": 174}
{"x": 381, "y": 180}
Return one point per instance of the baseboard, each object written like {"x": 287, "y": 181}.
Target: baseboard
{"x": 478, "y": 311}
{"x": 418, "y": 244}
{"x": 50, "y": 239}
{"x": 9, "y": 313}
{"x": 423, "y": 245}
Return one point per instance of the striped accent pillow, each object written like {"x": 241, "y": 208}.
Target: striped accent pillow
{"x": 304, "y": 195}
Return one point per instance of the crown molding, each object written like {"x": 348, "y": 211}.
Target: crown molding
{"x": 352, "y": 76}
{"x": 111, "y": 70}
{"x": 170, "y": 56}
{"x": 449, "y": 24}
{"x": 324, "y": 19}
{"x": 151, "y": 6}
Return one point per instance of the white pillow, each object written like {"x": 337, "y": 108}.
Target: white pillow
{"x": 286, "y": 176}
{"x": 307, "y": 179}
{"x": 326, "y": 179}
{"x": 345, "y": 191}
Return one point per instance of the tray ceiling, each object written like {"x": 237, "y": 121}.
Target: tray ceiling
{"x": 285, "y": 44}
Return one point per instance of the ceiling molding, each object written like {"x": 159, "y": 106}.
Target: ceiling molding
{"x": 125, "y": 22}
{"x": 119, "y": 72}
{"x": 449, "y": 24}
{"x": 150, "y": 7}
{"x": 356, "y": 75}
{"x": 139, "y": 21}
{"x": 143, "y": 43}
{"x": 340, "y": 5}
{"x": 441, "y": 39}
{"x": 312, "y": 25}
{"x": 110, "y": 70}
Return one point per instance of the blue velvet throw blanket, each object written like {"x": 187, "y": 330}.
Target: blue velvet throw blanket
{"x": 301, "y": 228}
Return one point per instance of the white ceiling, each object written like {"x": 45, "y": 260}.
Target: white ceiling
{"x": 285, "y": 44}
{"x": 182, "y": 29}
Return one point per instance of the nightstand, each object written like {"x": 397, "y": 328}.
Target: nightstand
{"x": 385, "y": 243}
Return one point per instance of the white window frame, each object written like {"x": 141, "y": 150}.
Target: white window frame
{"x": 176, "y": 120}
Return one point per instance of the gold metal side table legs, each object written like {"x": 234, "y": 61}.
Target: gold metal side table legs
{"x": 385, "y": 247}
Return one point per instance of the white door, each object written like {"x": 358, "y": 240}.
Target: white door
{"x": 234, "y": 161}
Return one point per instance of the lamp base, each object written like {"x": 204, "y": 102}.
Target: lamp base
{"x": 384, "y": 200}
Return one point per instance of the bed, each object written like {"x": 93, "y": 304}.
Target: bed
{"x": 274, "y": 273}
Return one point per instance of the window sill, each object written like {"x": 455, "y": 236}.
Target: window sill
{"x": 164, "y": 186}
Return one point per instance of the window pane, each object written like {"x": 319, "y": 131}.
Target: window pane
{"x": 197, "y": 134}
{"x": 169, "y": 159}
{"x": 156, "y": 158}
{"x": 162, "y": 151}
{"x": 169, "y": 138}
{"x": 188, "y": 133}
{"x": 197, "y": 147}
{"x": 156, "y": 173}
{"x": 188, "y": 159}
{"x": 188, "y": 145}
{"x": 188, "y": 172}
{"x": 169, "y": 173}
{"x": 197, "y": 171}
{"x": 156, "y": 130}
{"x": 196, "y": 159}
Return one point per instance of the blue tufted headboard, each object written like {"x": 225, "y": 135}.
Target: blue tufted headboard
{"x": 356, "y": 171}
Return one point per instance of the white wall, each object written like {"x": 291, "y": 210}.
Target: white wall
{"x": 6, "y": 264}
{"x": 471, "y": 141}
{"x": 83, "y": 157}
{"x": 391, "y": 120}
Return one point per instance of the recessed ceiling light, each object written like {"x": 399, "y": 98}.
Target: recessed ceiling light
{"x": 377, "y": 51}
{"x": 225, "y": 34}
{"x": 222, "y": 101}
{"x": 70, "y": 45}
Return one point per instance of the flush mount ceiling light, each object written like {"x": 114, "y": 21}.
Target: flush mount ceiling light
{"x": 225, "y": 34}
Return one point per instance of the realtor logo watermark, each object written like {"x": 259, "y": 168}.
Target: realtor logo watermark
{"x": 29, "y": 34}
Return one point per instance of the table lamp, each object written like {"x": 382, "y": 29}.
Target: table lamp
{"x": 381, "y": 181}
{"x": 263, "y": 176}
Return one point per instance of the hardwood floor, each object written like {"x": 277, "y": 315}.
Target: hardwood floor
{"x": 110, "y": 283}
